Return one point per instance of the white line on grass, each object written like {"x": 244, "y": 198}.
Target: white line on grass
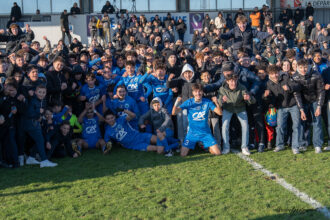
{"x": 301, "y": 195}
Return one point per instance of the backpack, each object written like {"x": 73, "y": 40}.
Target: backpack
{"x": 271, "y": 117}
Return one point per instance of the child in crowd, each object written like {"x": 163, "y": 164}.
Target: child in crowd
{"x": 91, "y": 135}
{"x": 233, "y": 98}
{"x": 281, "y": 93}
{"x": 30, "y": 124}
{"x": 161, "y": 123}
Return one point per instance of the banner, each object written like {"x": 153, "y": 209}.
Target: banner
{"x": 196, "y": 21}
{"x": 315, "y": 3}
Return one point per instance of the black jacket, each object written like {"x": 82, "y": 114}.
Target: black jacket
{"x": 109, "y": 9}
{"x": 278, "y": 97}
{"x": 16, "y": 12}
{"x": 54, "y": 82}
{"x": 14, "y": 41}
{"x": 311, "y": 88}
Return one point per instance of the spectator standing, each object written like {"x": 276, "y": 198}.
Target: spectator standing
{"x": 309, "y": 10}
{"x": 64, "y": 20}
{"x": 92, "y": 27}
{"x": 181, "y": 28}
{"x": 309, "y": 25}
{"x": 284, "y": 17}
{"x": 255, "y": 18}
{"x": 108, "y": 8}
{"x": 206, "y": 22}
{"x": 298, "y": 15}
{"x": 15, "y": 12}
{"x": 220, "y": 22}
{"x": 75, "y": 9}
{"x": 106, "y": 27}
{"x": 229, "y": 22}
{"x": 289, "y": 11}
{"x": 168, "y": 20}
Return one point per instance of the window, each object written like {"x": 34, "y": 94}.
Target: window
{"x": 224, "y": 4}
{"x": 236, "y": 4}
{"x": 162, "y": 5}
{"x": 59, "y": 5}
{"x": 142, "y": 5}
{"x": 202, "y": 5}
{"x": 254, "y": 3}
{"x": 30, "y": 6}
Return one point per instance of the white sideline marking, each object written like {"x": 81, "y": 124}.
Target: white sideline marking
{"x": 301, "y": 195}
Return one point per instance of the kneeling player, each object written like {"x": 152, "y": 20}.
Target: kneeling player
{"x": 199, "y": 129}
{"x": 119, "y": 130}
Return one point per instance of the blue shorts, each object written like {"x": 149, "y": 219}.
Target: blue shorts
{"x": 91, "y": 142}
{"x": 191, "y": 140}
{"x": 141, "y": 142}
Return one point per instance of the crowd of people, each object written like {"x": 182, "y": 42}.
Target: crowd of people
{"x": 253, "y": 83}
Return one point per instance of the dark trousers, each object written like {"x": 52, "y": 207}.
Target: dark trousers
{"x": 32, "y": 128}
{"x": 256, "y": 122}
{"x": 61, "y": 147}
{"x": 67, "y": 32}
{"x": 181, "y": 36}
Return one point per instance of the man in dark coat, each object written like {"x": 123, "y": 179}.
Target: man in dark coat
{"x": 15, "y": 12}
{"x": 108, "y": 8}
{"x": 64, "y": 20}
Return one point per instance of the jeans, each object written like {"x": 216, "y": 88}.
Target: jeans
{"x": 33, "y": 129}
{"x": 317, "y": 125}
{"x": 282, "y": 118}
{"x": 243, "y": 119}
{"x": 255, "y": 117}
{"x": 61, "y": 147}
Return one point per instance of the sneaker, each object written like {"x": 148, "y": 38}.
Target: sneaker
{"x": 261, "y": 148}
{"x": 277, "y": 149}
{"x": 245, "y": 151}
{"x": 269, "y": 145}
{"x": 225, "y": 151}
{"x": 47, "y": 163}
{"x": 302, "y": 148}
{"x": 295, "y": 151}
{"x": 251, "y": 146}
{"x": 326, "y": 148}
{"x": 21, "y": 160}
{"x": 107, "y": 147}
{"x": 318, "y": 150}
{"x": 169, "y": 154}
{"x": 31, "y": 161}
{"x": 76, "y": 148}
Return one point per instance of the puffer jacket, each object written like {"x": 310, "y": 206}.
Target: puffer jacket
{"x": 310, "y": 88}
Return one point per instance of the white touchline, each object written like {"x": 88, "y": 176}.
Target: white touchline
{"x": 301, "y": 195}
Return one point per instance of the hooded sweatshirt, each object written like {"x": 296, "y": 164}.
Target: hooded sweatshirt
{"x": 159, "y": 120}
{"x": 184, "y": 85}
